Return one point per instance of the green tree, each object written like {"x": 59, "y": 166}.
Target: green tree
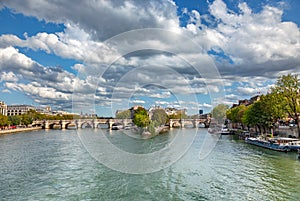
{"x": 219, "y": 112}
{"x": 34, "y": 115}
{"x": 235, "y": 114}
{"x": 15, "y": 120}
{"x": 126, "y": 114}
{"x": 259, "y": 116}
{"x": 264, "y": 113}
{"x": 180, "y": 114}
{"x": 247, "y": 118}
{"x": 4, "y": 120}
{"x": 287, "y": 89}
{"x": 174, "y": 116}
{"x": 26, "y": 119}
{"x": 141, "y": 118}
{"x": 272, "y": 108}
{"x": 159, "y": 117}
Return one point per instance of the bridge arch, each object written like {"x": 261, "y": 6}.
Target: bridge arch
{"x": 69, "y": 124}
{"x": 85, "y": 124}
{"x": 101, "y": 125}
{"x": 54, "y": 125}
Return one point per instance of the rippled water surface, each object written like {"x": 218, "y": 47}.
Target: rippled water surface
{"x": 54, "y": 165}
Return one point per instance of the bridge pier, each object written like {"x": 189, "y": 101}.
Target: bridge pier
{"x": 182, "y": 123}
{"x": 64, "y": 124}
{"x": 171, "y": 123}
{"x": 194, "y": 123}
{"x": 110, "y": 123}
{"x": 47, "y": 125}
{"x": 95, "y": 124}
{"x": 78, "y": 124}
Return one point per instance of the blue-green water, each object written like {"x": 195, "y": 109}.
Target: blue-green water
{"x": 54, "y": 165}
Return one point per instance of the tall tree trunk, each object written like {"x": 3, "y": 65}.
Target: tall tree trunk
{"x": 259, "y": 129}
{"x": 298, "y": 126}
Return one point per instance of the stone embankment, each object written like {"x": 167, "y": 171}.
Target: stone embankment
{"x": 17, "y": 130}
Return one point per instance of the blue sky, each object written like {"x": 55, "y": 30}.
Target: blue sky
{"x": 101, "y": 56}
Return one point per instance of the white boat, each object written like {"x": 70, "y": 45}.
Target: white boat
{"x": 214, "y": 128}
{"x": 278, "y": 144}
{"x": 295, "y": 144}
{"x": 201, "y": 125}
{"x": 117, "y": 127}
{"x": 223, "y": 130}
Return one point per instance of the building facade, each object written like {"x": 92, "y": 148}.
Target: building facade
{"x": 174, "y": 111}
{"x": 3, "y": 108}
{"x": 13, "y": 110}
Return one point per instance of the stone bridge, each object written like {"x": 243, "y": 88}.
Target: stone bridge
{"x": 95, "y": 123}
{"x": 189, "y": 122}
{"x": 81, "y": 123}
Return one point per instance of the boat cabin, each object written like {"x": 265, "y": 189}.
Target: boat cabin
{"x": 283, "y": 140}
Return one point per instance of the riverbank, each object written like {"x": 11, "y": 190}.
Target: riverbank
{"x": 17, "y": 130}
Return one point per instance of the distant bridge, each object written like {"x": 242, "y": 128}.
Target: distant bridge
{"x": 189, "y": 122}
{"x": 95, "y": 123}
{"x": 80, "y": 123}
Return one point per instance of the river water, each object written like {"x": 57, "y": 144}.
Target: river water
{"x": 60, "y": 165}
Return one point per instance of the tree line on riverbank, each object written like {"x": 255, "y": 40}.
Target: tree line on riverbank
{"x": 282, "y": 102}
{"x": 29, "y": 117}
{"x": 32, "y": 115}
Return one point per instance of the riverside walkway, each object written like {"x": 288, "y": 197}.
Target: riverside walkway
{"x": 17, "y": 130}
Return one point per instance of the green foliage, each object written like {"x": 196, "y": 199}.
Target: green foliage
{"x": 249, "y": 117}
{"x": 4, "y": 120}
{"x": 15, "y": 120}
{"x": 141, "y": 118}
{"x": 26, "y": 119}
{"x": 178, "y": 115}
{"x": 174, "y": 116}
{"x": 126, "y": 114}
{"x": 159, "y": 117}
{"x": 32, "y": 115}
{"x": 69, "y": 116}
{"x": 151, "y": 128}
{"x": 263, "y": 113}
{"x": 219, "y": 112}
{"x": 235, "y": 114}
{"x": 272, "y": 105}
{"x": 257, "y": 114}
{"x": 287, "y": 89}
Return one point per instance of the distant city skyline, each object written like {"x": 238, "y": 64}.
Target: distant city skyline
{"x": 102, "y": 56}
